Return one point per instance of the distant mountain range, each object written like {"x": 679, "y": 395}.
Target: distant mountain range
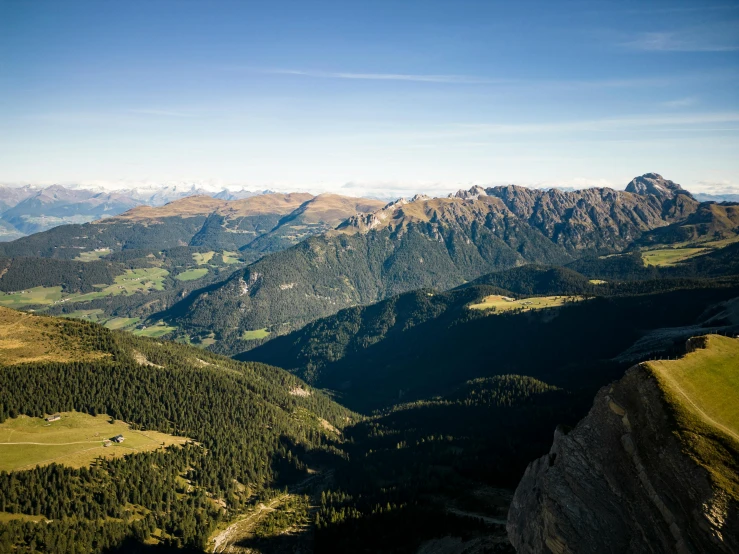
{"x": 30, "y": 209}
{"x": 312, "y": 256}
{"x": 255, "y": 225}
{"x": 430, "y": 242}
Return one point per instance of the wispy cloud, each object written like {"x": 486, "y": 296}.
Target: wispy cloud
{"x": 684, "y": 123}
{"x": 723, "y": 186}
{"x": 419, "y": 78}
{"x": 160, "y": 113}
{"x": 664, "y": 10}
{"x": 606, "y": 124}
{"x": 718, "y": 37}
{"x": 615, "y": 82}
{"x": 680, "y": 103}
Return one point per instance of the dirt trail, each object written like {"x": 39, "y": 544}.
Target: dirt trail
{"x": 52, "y": 443}
{"x": 486, "y": 519}
{"x": 225, "y": 541}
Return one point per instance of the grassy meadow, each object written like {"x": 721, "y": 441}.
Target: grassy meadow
{"x": 157, "y": 330}
{"x": 666, "y": 257}
{"x": 256, "y": 334}
{"x": 93, "y": 255}
{"x": 202, "y": 258}
{"x": 192, "y": 274}
{"x": 44, "y": 296}
{"x": 75, "y": 440}
{"x": 501, "y": 304}
{"x": 230, "y": 257}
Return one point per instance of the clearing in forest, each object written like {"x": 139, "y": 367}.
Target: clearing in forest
{"x": 230, "y": 257}
{"x": 202, "y": 257}
{"x": 667, "y": 257}
{"x": 92, "y": 255}
{"x": 159, "y": 329}
{"x": 192, "y": 274}
{"x": 75, "y": 440}
{"x": 256, "y": 334}
{"x": 500, "y": 304}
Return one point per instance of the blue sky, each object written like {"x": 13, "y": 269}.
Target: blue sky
{"x": 366, "y": 96}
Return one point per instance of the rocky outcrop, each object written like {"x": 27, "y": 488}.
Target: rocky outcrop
{"x": 654, "y": 184}
{"x": 599, "y": 219}
{"x": 620, "y": 482}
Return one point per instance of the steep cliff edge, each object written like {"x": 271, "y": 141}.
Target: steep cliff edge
{"x": 654, "y": 466}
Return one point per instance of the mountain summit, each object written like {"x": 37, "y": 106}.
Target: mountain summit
{"x": 656, "y": 185}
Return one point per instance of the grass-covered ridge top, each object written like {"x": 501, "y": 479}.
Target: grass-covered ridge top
{"x": 26, "y": 338}
{"x": 702, "y": 388}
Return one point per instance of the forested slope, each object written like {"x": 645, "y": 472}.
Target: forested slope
{"x": 425, "y": 343}
{"x": 251, "y": 432}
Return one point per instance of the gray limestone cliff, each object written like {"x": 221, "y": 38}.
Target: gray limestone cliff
{"x": 621, "y": 481}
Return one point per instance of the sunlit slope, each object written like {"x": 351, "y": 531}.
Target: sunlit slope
{"x": 25, "y": 338}
{"x": 705, "y": 382}
{"x": 75, "y": 440}
{"x": 703, "y": 389}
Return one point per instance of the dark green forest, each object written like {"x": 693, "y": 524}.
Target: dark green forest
{"x": 249, "y": 435}
{"x": 424, "y": 343}
{"x": 25, "y": 273}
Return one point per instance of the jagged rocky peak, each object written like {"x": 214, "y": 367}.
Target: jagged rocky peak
{"x": 420, "y": 198}
{"x": 473, "y": 194}
{"x": 656, "y": 185}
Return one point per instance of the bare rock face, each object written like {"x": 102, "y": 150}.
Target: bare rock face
{"x": 620, "y": 482}
{"x": 654, "y": 183}
{"x": 599, "y": 219}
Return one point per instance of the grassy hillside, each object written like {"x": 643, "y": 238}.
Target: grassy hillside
{"x": 25, "y": 339}
{"x": 75, "y": 440}
{"x": 711, "y": 223}
{"x": 253, "y": 432}
{"x": 702, "y": 388}
{"x": 706, "y": 380}
{"x": 498, "y": 304}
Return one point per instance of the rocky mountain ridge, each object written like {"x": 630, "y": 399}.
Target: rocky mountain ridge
{"x": 593, "y": 219}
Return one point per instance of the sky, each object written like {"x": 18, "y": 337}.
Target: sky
{"x": 371, "y": 97}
